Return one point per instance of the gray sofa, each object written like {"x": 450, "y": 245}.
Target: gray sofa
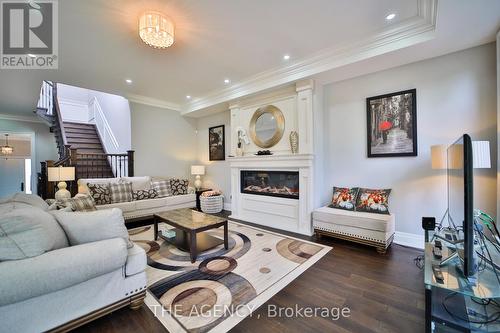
{"x": 59, "y": 270}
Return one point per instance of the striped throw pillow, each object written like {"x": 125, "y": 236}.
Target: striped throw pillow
{"x": 162, "y": 187}
{"x": 121, "y": 192}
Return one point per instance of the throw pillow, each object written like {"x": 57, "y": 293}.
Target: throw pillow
{"x": 179, "y": 186}
{"x": 144, "y": 194}
{"x": 138, "y": 183}
{"x": 80, "y": 204}
{"x": 100, "y": 193}
{"x": 87, "y": 227}
{"x": 121, "y": 192}
{"x": 162, "y": 187}
{"x": 373, "y": 201}
{"x": 344, "y": 198}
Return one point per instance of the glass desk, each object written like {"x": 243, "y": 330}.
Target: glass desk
{"x": 450, "y": 301}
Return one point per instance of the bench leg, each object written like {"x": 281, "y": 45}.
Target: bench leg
{"x": 381, "y": 249}
{"x": 318, "y": 235}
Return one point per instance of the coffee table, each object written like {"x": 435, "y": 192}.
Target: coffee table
{"x": 189, "y": 225}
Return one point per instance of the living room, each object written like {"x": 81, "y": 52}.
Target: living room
{"x": 306, "y": 180}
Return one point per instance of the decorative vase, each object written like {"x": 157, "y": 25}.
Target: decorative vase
{"x": 294, "y": 142}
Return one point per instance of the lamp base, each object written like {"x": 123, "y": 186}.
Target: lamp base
{"x": 197, "y": 182}
{"x": 62, "y": 193}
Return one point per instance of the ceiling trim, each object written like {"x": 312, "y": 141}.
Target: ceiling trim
{"x": 411, "y": 31}
{"x": 31, "y": 119}
{"x": 153, "y": 102}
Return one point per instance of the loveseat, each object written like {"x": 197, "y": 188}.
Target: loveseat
{"x": 59, "y": 270}
{"x": 140, "y": 209}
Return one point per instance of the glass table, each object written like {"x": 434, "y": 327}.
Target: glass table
{"x": 453, "y": 304}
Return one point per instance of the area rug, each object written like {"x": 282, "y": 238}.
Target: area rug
{"x": 223, "y": 286}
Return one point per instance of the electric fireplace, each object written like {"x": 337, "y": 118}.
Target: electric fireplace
{"x": 284, "y": 184}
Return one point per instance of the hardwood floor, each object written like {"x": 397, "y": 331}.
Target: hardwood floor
{"x": 385, "y": 293}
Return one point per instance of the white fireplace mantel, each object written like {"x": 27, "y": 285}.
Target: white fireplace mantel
{"x": 282, "y": 213}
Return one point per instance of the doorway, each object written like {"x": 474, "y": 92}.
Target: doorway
{"x": 16, "y": 169}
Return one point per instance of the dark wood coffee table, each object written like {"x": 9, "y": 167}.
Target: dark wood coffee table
{"x": 189, "y": 225}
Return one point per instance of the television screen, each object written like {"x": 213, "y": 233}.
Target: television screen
{"x": 460, "y": 196}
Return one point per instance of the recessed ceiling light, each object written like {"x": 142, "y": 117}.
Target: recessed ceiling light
{"x": 227, "y": 81}
{"x": 188, "y": 97}
{"x": 390, "y": 16}
{"x": 129, "y": 81}
{"x": 31, "y": 55}
{"x": 286, "y": 57}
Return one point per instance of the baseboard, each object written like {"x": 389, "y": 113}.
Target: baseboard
{"x": 411, "y": 240}
{"x": 227, "y": 206}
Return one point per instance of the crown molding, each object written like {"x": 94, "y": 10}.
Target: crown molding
{"x": 409, "y": 32}
{"x": 153, "y": 102}
{"x": 30, "y": 119}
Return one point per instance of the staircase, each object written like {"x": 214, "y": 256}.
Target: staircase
{"x": 91, "y": 161}
{"x": 79, "y": 146}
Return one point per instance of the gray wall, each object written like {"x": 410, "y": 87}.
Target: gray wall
{"x": 163, "y": 140}
{"x": 217, "y": 172}
{"x": 456, "y": 94}
{"x": 45, "y": 144}
{"x": 498, "y": 126}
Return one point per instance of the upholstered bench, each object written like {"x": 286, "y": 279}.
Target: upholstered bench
{"x": 367, "y": 228}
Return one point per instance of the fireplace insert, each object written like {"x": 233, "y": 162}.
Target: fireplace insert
{"x": 284, "y": 184}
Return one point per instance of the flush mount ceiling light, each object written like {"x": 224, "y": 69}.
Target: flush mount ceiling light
{"x": 390, "y": 16}
{"x": 188, "y": 97}
{"x": 6, "y": 150}
{"x": 227, "y": 81}
{"x": 129, "y": 81}
{"x": 286, "y": 57}
{"x": 156, "y": 30}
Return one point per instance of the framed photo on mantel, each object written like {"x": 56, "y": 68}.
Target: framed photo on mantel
{"x": 216, "y": 143}
{"x": 392, "y": 124}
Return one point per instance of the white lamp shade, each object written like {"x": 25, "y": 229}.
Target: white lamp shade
{"x": 481, "y": 158}
{"x": 61, "y": 174}
{"x": 438, "y": 156}
{"x": 197, "y": 169}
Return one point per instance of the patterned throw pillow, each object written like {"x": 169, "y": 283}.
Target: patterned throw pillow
{"x": 162, "y": 187}
{"x": 80, "y": 204}
{"x": 344, "y": 198}
{"x": 144, "y": 194}
{"x": 100, "y": 193}
{"x": 373, "y": 201}
{"x": 121, "y": 192}
{"x": 179, "y": 186}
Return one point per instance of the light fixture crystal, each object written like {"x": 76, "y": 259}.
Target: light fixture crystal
{"x": 6, "y": 150}
{"x": 156, "y": 30}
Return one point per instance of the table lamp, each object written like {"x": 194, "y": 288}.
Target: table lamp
{"x": 197, "y": 170}
{"x": 61, "y": 175}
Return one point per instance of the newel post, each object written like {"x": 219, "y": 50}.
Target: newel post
{"x": 130, "y": 160}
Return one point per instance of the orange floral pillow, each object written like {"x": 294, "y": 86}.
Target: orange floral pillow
{"x": 373, "y": 201}
{"x": 344, "y": 198}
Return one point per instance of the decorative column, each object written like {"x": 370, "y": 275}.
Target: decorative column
{"x": 305, "y": 116}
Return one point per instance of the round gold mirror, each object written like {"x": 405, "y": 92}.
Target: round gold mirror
{"x": 267, "y": 126}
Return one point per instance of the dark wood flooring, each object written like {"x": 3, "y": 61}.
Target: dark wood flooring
{"x": 385, "y": 293}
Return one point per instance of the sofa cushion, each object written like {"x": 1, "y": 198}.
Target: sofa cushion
{"x": 86, "y": 227}
{"x": 121, "y": 192}
{"x": 136, "y": 260}
{"x": 362, "y": 220}
{"x": 162, "y": 187}
{"x": 180, "y": 199}
{"x": 373, "y": 201}
{"x": 28, "y": 199}
{"x": 83, "y": 183}
{"x": 22, "y": 235}
{"x": 151, "y": 203}
{"x": 59, "y": 269}
{"x": 179, "y": 186}
{"x": 125, "y": 207}
{"x": 344, "y": 198}
{"x": 100, "y": 193}
{"x": 144, "y": 194}
{"x": 138, "y": 183}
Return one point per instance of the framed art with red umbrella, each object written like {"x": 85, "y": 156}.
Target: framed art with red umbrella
{"x": 392, "y": 124}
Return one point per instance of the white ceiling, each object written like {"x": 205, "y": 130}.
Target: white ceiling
{"x": 218, "y": 39}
